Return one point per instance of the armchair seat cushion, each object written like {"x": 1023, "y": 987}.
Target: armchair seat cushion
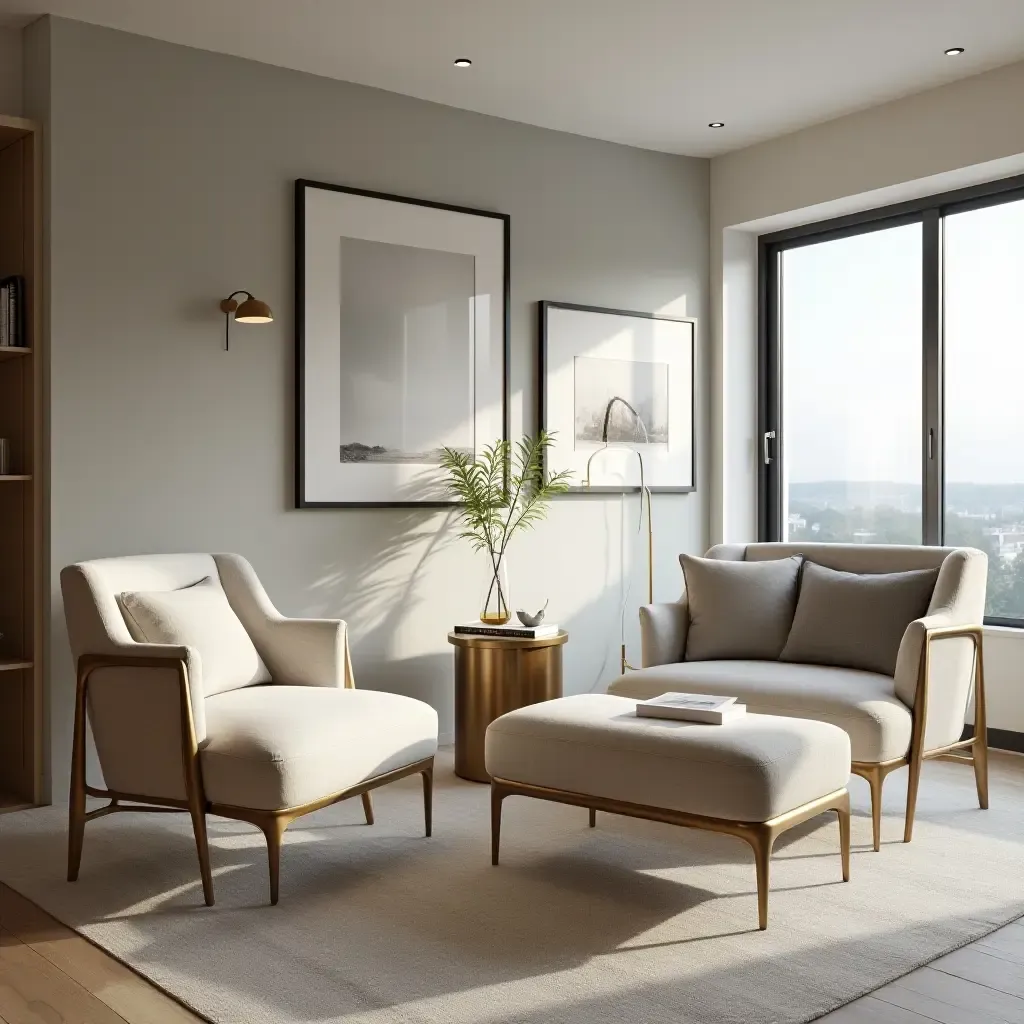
{"x": 863, "y": 703}
{"x": 275, "y": 747}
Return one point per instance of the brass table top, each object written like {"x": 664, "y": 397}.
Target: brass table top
{"x": 509, "y": 643}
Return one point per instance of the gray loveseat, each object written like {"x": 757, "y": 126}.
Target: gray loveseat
{"x": 896, "y": 718}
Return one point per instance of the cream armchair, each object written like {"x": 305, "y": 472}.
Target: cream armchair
{"x": 235, "y": 711}
{"x": 893, "y": 721}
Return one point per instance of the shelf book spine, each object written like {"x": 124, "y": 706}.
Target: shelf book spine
{"x": 5, "y": 340}
{"x": 513, "y": 634}
{"x": 14, "y": 317}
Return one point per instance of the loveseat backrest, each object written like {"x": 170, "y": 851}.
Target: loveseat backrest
{"x": 961, "y": 578}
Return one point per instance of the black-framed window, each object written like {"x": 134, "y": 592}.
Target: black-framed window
{"x": 892, "y": 380}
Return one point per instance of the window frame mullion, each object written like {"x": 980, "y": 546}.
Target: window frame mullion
{"x": 932, "y": 432}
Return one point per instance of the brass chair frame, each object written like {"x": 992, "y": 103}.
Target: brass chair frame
{"x": 271, "y": 823}
{"x": 875, "y": 772}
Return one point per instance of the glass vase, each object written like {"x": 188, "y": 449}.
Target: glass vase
{"x": 495, "y": 607}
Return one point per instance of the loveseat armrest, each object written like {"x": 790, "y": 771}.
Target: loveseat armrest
{"x": 936, "y": 671}
{"x": 663, "y": 629}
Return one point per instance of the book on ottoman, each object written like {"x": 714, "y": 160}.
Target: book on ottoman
{"x": 692, "y": 707}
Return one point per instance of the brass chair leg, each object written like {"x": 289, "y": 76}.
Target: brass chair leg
{"x": 428, "y": 798}
{"x": 843, "y": 811}
{"x": 274, "y": 831}
{"x": 875, "y": 780}
{"x": 980, "y": 752}
{"x": 203, "y": 849}
{"x": 593, "y": 817}
{"x": 76, "y": 804}
{"x": 368, "y": 808}
{"x": 496, "y": 797}
{"x": 913, "y": 783}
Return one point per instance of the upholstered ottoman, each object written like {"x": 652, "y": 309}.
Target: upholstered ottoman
{"x": 752, "y": 778}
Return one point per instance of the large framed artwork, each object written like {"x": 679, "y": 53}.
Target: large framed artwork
{"x": 402, "y": 335}
{"x": 619, "y": 383}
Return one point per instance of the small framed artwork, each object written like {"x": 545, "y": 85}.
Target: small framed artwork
{"x": 617, "y": 388}
{"x": 402, "y": 337}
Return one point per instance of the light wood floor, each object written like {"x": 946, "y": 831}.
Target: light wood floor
{"x": 51, "y": 975}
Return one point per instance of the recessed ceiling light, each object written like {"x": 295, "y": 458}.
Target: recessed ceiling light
{"x": 954, "y": 51}
{"x": 717, "y": 124}
{"x": 463, "y": 62}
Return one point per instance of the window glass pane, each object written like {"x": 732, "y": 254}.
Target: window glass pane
{"x": 851, "y": 389}
{"x": 983, "y": 320}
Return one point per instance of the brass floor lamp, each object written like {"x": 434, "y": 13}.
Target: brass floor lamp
{"x": 645, "y": 494}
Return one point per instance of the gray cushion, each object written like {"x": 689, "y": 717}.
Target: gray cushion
{"x": 856, "y": 620}
{"x": 739, "y": 609}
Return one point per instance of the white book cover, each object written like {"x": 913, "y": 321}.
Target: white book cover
{"x": 692, "y": 707}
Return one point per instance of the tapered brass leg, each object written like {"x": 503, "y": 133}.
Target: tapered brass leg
{"x": 428, "y": 798}
{"x": 368, "y": 808}
{"x": 843, "y": 810}
{"x": 980, "y": 751}
{"x": 274, "y": 831}
{"x": 762, "y": 841}
{"x": 76, "y": 804}
{"x": 593, "y": 817}
{"x": 875, "y": 780}
{"x": 913, "y": 783}
{"x": 203, "y": 849}
{"x": 496, "y": 797}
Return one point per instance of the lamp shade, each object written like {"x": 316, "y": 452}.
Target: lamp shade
{"x": 253, "y": 311}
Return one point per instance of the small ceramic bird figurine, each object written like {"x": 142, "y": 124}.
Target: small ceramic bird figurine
{"x": 533, "y": 620}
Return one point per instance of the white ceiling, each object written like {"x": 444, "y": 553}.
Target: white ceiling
{"x": 648, "y": 73}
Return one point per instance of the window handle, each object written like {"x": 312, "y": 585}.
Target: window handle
{"x": 931, "y": 444}
{"x": 769, "y": 436}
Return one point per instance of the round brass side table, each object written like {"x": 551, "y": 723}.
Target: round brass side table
{"x": 493, "y": 676}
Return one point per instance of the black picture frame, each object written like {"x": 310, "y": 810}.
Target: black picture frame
{"x": 301, "y": 187}
{"x": 543, "y": 309}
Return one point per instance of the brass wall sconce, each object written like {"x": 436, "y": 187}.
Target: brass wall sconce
{"x": 645, "y": 497}
{"x": 250, "y": 311}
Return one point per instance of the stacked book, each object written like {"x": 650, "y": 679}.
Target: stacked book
{"x": 513, "y": 631}
{"x": 12, "y": 312}
{"x": 692, "y": 707}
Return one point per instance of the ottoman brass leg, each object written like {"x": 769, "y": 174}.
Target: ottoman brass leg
{"x": 761, "y": 841}
{"x": 593, "y": 817}
{"x": 843, "y": 811}
{"x": 368, "y": 808}
{"x": 497, "y": 795}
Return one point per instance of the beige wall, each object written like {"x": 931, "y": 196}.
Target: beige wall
{"x": 10, "y": 72}
{"x": 170, "y": 175}
{"x": 960, "y": 134}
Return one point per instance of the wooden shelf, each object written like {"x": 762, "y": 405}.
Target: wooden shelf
{"x": 22, "y": 507}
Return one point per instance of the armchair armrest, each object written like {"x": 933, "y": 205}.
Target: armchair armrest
{"x": 147, "y": 711}
{"x": 305, "y": 652}
{"x": 298, "y": 652}
{"x": 663, "y": 629}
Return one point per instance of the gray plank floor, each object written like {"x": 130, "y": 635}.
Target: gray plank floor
{"x": 982, "y": 983}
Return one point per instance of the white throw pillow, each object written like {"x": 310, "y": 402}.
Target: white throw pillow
{"x": 198, "y": 616}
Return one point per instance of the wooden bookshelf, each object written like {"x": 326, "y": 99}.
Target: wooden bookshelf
{"x": 21, "y": 493}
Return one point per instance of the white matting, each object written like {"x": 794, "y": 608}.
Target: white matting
{"x": 630, "y": 922}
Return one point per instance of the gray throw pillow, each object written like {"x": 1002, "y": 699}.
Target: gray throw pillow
{"x": 739, "y": 609}
{"x": 854, "y": 620}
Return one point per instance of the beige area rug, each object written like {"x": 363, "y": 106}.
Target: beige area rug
{"x": 629, "y": 922}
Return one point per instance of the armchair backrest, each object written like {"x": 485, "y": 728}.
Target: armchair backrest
{"x": 96, "y": 624}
